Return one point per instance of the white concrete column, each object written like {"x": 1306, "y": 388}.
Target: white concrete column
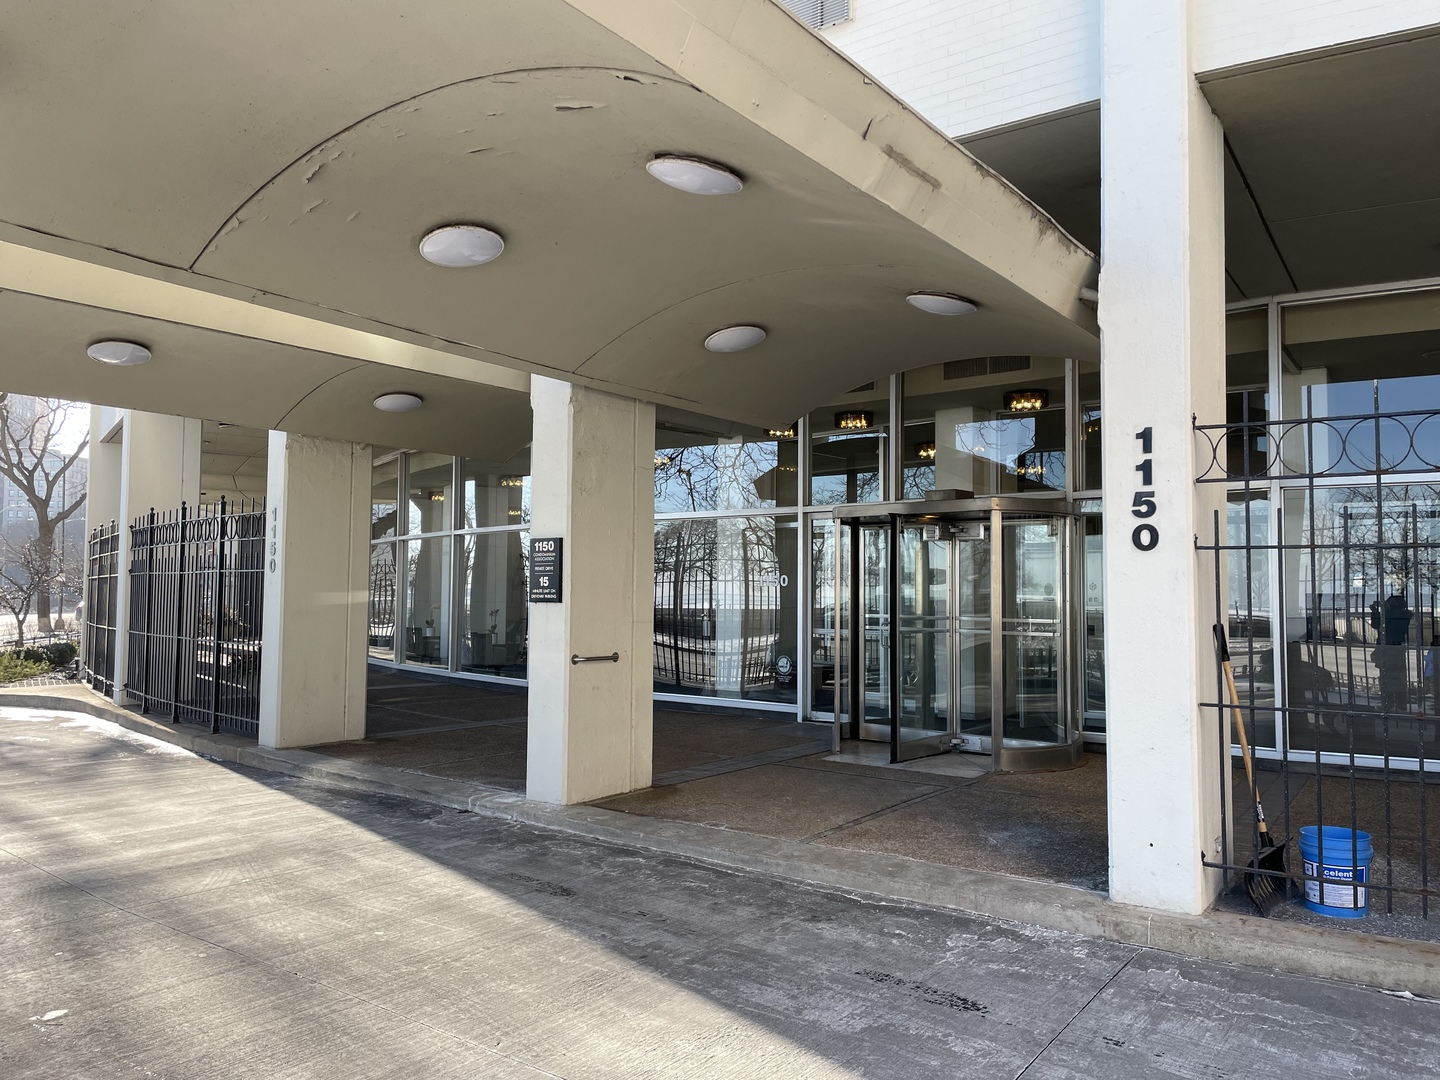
{"x": 1162, "y": 317}
{"x": 312, "y": 660}
{"x": 159, "y": 469}
{"x": 592, "y": 471}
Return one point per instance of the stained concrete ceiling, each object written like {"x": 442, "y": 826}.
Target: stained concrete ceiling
{"x": 251, "y": 382}
{"x": 295, "y": 154}
{"x": 1330, "y": 167}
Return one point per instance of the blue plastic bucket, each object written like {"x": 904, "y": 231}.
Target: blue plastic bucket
{"x": 1332, "y": 874}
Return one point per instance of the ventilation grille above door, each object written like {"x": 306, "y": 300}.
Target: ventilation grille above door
{"x": 820, "y": 13}
{"x": 985, "y": 365}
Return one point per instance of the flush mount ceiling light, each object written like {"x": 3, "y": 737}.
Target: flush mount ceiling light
{"x": 1027, "y": 400}
{"x": 461, "y": 245}
{"x": 781, "y": 432}
{"x": 398, "y": 402}
{"x": 118, "y": 353}
{"x": 735, "y": 339}
{"x": 694, "y": 175}
{"x": 941, "y": 303}
{"x": 925, "y": 451}
{"x": 854, "y": 421}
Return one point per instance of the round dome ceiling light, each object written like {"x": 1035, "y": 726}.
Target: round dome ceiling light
{"x": 695, "y": 176}
{"x": 118, "y": 353}
{"x": 398, "y": 402}
{"x": 461, "y": 245}
{"x": 941, "y": 303}
{"x": 735, "y": 339}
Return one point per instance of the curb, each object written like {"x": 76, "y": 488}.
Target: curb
{"x": 1371, "y": 960}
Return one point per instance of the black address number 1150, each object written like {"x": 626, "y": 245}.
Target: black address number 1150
{"x": 1145, "y": 536}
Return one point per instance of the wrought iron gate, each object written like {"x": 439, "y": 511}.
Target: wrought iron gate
{"x": 1327, "y": 566}
{"x": 102, "y": 580}
{"x": 196, "y": 594}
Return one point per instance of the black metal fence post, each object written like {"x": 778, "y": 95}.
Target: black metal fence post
{"x": 217, "y": 622}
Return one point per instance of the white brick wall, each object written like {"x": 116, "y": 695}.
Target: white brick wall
{"x": 1230, "y": 32}
{"x": 969, "y": 65}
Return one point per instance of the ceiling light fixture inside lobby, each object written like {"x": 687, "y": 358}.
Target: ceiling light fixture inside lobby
{"x": 1027, "y": 400}
{"x": 398, "y": 402}
{"x": 118, "y": 353}
{"x": 735, "y": 339}
{"x": 694, "y": 176}
{"x": 461, "y": 245}
{"x": 854, "y": 421}
{"x": 941, "y": 303}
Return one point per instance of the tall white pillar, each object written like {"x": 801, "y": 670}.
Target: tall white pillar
{"x": 312, "y": 659}
{"x": 592, "y": 469}
{"x": 159, "y": 468}
{"x": 1162, "y": 317}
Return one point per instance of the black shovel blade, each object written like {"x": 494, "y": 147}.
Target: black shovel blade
{"x": 1270, "y": 887}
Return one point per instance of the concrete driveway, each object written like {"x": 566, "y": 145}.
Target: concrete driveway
{"x": 165, "y": 915}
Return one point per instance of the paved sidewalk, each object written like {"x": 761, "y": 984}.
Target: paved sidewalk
{"x": 166, "y": 915}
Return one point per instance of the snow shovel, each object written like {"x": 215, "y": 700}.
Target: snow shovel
{"x": 1267, "y": 880}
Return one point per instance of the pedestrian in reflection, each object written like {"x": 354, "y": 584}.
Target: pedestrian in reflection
{"x": 1391, "y": 620}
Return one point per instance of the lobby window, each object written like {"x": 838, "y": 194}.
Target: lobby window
{"x": 384, "y": 497}
{"x": 494, "y": 628}
{"x": 431, "y": 487}
{"x": 751, "y": 469}
{"x": 848, "y": 447}
{"x": 988, "y": 426}
{"x": 495, "y": 493}
{"x": 725, "y": 607}
{"x": 1357, "y": 358}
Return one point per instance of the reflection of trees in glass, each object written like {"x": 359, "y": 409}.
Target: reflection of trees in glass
{"x": 708, "y": 599}
{"x": 719, "y": 476}
{"x": 918, "y": 480}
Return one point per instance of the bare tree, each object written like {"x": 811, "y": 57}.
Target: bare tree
{"x": 30, "y": 430}
{"x": 28, "y": 571}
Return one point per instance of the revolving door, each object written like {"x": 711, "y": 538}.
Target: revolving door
{"x": 959, "y": 630}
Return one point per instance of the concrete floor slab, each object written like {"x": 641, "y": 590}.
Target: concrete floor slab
{"x": 771, "y": 800}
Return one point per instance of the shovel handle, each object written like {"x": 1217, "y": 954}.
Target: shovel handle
{"x": 1222, "y": 648}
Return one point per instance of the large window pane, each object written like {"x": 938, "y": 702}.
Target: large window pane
{"x": 1087, "y": 380}
{"x": 495, "y": 493}
{"x": 847, "y": 449}
{"x": 1361, "y": 620}
{"x": 383, "y": 594}
{"x": 739, "y": 472}
{"x": 384, "y": 493}
{"x": 494, "y": 628}
{"x": 725, "y": 615}
{"x": 990, "y": 426}
{"x": 1333, "y": 353}
{"x": 1251, "y": 622}
{"x": 1094, "y": 608}
{"x": 432, "y": 484}
{"x": 822, "y": 616}
{"x": 427, "y": 602}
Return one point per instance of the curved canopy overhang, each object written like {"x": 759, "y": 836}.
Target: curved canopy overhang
{"x": 287, "y": 157}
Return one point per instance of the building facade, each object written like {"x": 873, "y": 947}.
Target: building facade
{"x": 1059, "y": 334}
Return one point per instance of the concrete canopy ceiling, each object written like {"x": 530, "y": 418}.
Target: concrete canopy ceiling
{"x": 1330, "y": 167}
{"x": 1337, "y": 156}
{"x": 249, "y": 382}
{"x": 301, "y": 150}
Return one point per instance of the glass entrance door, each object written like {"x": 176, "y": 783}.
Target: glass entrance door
{"x": 962, "y": 632}
{"x": 924, "y": 719}
{"x": 1033, "y": 629}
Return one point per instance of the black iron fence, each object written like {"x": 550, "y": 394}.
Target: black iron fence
{"x": 196, "y": 595}
{"x": 1327, "y": 572}
{"x": 102, "y": 586}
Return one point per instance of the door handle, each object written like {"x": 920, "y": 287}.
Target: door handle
{"x": 613, "y": 658}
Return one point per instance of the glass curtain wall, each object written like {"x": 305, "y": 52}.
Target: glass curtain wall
{"x": 1333, "y": 460}
{"x": 745, "y": 559}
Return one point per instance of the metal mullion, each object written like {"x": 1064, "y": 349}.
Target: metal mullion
{"x": 893, "y": 486}
{"x": 804, "y": 606}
